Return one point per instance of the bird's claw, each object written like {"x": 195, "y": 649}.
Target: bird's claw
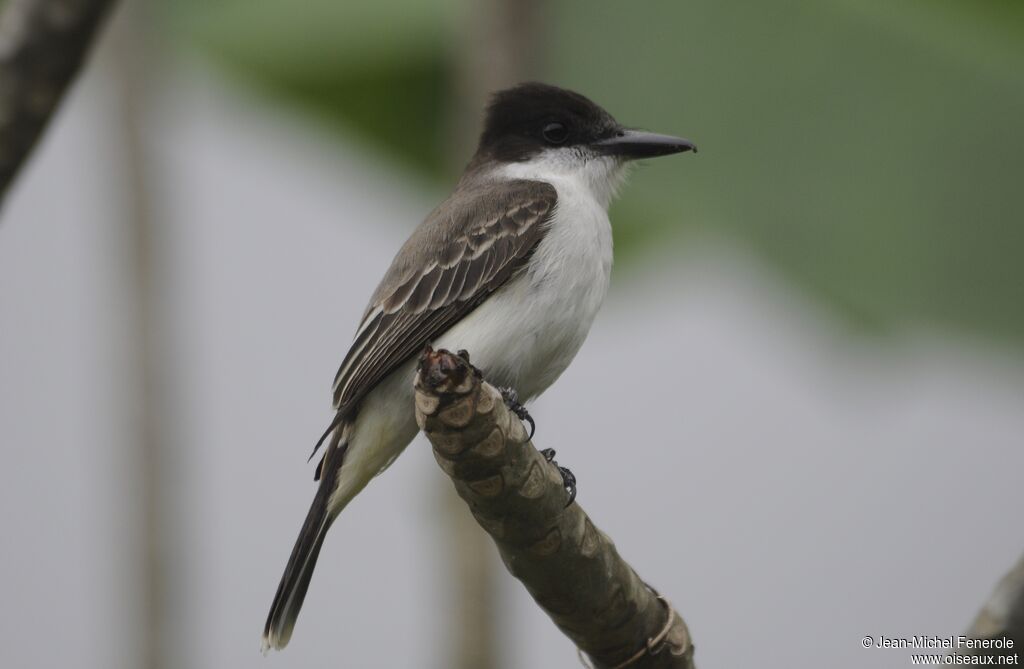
{"x": 511, "y": 398}
{"x": 569, "y": 481}
{"x": 568, "y": 478}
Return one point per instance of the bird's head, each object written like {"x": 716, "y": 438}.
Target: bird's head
{"x": 564, "y": 131}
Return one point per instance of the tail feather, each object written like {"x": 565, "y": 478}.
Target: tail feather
{"x": 292, "y": 590}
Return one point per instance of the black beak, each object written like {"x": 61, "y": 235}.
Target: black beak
{"x": 633, "y": 144}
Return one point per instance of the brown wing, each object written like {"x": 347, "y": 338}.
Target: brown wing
{"x": 465, "y": 250}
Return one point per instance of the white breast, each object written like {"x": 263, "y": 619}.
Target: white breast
{"x": 527, "y": 333}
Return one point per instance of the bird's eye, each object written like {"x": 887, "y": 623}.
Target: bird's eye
{"x": 555, "y": 133}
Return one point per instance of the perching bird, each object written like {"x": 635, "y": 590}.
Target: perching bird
{"x": 512, "y": 267}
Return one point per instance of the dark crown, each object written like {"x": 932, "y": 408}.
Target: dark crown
{"x": 516, "y": 119}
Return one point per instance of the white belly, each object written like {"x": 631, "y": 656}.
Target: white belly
{"x": 527, "y": 333}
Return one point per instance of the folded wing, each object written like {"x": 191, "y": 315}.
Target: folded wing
{"x": 468, "y": 248}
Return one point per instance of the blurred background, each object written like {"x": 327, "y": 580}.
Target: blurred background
{"x": 800, "y": 414}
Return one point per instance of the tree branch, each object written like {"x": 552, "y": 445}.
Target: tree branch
{"x": 1002, "y": 616}
{"x": 569, "y": 566}
{"x": 42, "y": 46}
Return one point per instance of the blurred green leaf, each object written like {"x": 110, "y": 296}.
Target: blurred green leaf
{"x": 873, "y": 150}
{"x": 376, "y": 68}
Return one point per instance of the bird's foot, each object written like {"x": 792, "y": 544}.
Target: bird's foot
{"x": 568, "y": 478}
{"x": 511, "y": 398}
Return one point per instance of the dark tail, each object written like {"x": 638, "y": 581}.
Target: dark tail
{"x": 292, "y": 590}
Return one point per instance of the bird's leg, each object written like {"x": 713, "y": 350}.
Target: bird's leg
{"x": 511, "y": 398}
{"x": 568, "y": 478}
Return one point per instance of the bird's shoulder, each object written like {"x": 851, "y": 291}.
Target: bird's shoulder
{"x": 467, "y": 248}
{"x": 472, "y": 221}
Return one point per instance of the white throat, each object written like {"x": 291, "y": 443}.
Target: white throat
{"x": 601, "y": 176}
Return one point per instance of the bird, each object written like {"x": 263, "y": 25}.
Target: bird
{"x": 511, "y": 267}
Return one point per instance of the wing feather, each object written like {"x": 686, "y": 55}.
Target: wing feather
{"x": 458, "y": 282}
{"x": 468, "y": 248}
{"x": 421, "y": 297}
{"x": 443, "y": 288}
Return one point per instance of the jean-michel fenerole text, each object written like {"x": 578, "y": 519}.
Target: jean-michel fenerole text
{"x": 951, "y": 642}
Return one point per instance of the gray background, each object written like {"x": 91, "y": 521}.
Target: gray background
{"x": 791, "y": 486}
